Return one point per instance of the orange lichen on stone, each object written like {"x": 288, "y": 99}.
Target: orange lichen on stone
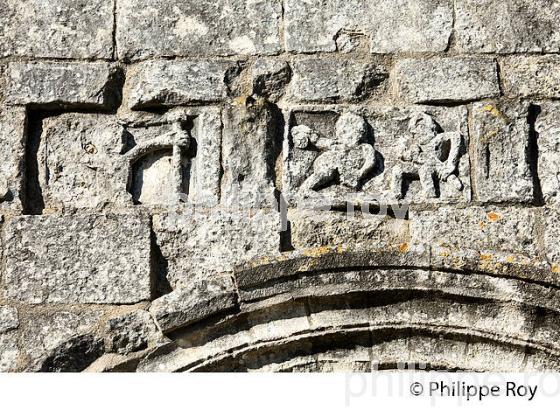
{"x": 494, "y": 217}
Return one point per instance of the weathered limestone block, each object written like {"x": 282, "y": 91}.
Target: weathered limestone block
{"x": 130, "y": 332}
{"x": 512, "y": 230}
{"x": 547, "y": 129}
{"x": 194, "y": 302}
{"x": 80, "y": 163}
{"x": 8, "y": 318}
{"x": 60, "y": 29}
{"x": 83, "y": 259}
{"x": 531, "y": 76}
{"x": 201, "y": 246}
{"x": 12, "y": 153}
{"x": 61, "y": 340}
{"x": 319, "y": 229}
{"x": 501, "y": 152}
{"x": 252, "y": 141}
{"x": 10, "y": 353}
{"x": 168, "y": 83}
{"x": 514, "y": 26}
{"x": 197, "y": 28}
{"x": 551, "y": 218}
{"x": 390, "y": 26}
{"x": 335, "y": 155}
{"x": 316, "y": 80}
{"x": 86, "y": 85}
{"x": 446, "y": 79}
{"x": 9, "y": 350}
{"x": 270, "y": 78}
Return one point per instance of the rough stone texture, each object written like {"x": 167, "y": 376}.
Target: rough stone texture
{"x": 61, "y": 340}
{"x": 266, "y": 185}
{"x": 12, "y": 154}
{"x": 547, "y": 128}
{"x": 446, "y": 79}
{"x": 168, "y": 83}
{"x": 8, "y": 318}
{"x": 56, "y": 84}
{"x": 516, "y": 26}
{"x": 316, "y": 80}
{"x": 83, "y": 259}
{"x": 199, "y": 246}
{"x": 197, "y": 28}
{"x": 194, "y": 302}
{"x": 61, "y": 29}
{"x": 130, "y": 332}
{"x": 501, "y": 146}
{"x": 488, "y": 229}
{"x": 534, "y": 76}
{"x": 389, "y": 26}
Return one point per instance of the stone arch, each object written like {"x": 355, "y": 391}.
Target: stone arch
{"x": 333, "y": 309}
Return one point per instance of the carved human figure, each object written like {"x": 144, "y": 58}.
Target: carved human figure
{"x": 427, "y": 155}
{"x": 346, "y": 159}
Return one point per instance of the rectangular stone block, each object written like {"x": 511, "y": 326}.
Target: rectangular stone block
{"x": 252, "y": 142}
{"x": 202, "y": 246}
{"x": 389, "y": 26}
{"x": 148, "y": 28}
{"x": 501, "y": 152}
{"x": 547, "y": 130}
{"x": 56, "y": 29}
{"x": 317, "y": 80}
{"x": 446, "y": 80}
{"x": 334, "y": 155}
{"x": 514, "y": 26}
{"x": 512, "y": 230}
{"x": 13, "y": 122}
{"x": 531, "y": 76}
{"x": 78, "y": 259}
{"x": 168, "y": 83}
{"x": 311, "y": 229}
{"x": 86, "y": 85}
{"x": 551, "y": 234}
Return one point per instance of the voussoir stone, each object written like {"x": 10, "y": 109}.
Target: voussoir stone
{"x": 390, "y": 26}
{"x": 316, "y": 80}
{"x": 531, "y": 76}
{"x": 453, "y": 79}
{"x": 513, "y": 26}
{"x": 56, "y": 29}
{"x": 68, "y": 84}
{"x": 194, "y": 302}
{"x": 82, "y": 259}
{"x": 148, "y": 28}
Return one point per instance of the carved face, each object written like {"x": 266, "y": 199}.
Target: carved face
{"x": 351, "y": 130}
{"x": 422, "y": 126}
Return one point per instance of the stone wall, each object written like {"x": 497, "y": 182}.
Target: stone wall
{"x": 279, "y": 185}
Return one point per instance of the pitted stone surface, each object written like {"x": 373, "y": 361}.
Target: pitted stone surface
{"x": 446, "y": 79}
{"x": 8, "y": 318}
{"x": 533, "y": 76}
{"x": 197, "y": 28}
{"x": 319, "y": 80}
{"x": 12, "y": 154}
{"x": 57, "y": 29}
{"x": 130, "y": 332}
{"x": 389, "y": 26}
{"x": 169, "y": 83}
{"x": 78, "y": 259}
{"x": 547, "y": 127}
{"x": 67, "y": 84}
{"x": 200, "y": 246}
{"x": 516, "y": 26}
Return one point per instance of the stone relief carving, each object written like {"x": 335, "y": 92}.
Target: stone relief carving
{"x": 386, "y": 155}
{"x": 346, "y": 160}
{"x": 430, "y": 156}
